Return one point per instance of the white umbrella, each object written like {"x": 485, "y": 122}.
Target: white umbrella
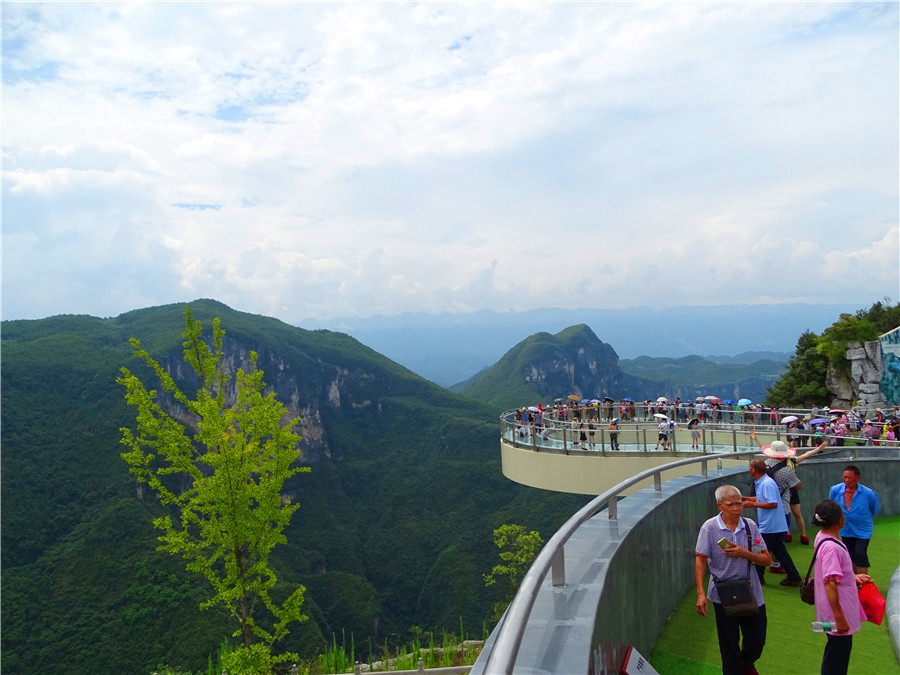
{"x": 665, "y": 417}
{"x": 789, "y": 419}
{"x": 662, "y": 399}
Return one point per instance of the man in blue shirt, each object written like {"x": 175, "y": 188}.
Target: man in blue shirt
{"x": 860, "y": 505}
{"x": 772, "y": 523}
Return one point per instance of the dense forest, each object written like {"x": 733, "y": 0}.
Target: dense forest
{"x": 393, "y": 534}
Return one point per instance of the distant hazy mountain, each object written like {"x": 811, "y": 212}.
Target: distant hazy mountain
{"x": 752, "y": 357}
{"x": 693, "y": 376}
{"x": 449, "y": 348}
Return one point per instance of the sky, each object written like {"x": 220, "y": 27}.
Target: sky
{"x": 321, "y": 160}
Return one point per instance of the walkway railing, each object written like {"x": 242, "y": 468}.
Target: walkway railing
{"x": 563, "y": 437}
{"x": 509, "y": 634}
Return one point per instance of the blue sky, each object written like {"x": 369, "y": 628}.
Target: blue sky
{"x": 320, "y": 160}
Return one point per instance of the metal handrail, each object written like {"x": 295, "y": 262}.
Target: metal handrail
{"x": 505, "y": 649}
{"x": 532, "y": 439}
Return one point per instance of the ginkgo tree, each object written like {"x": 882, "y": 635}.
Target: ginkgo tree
{"x": 230, "y": 463}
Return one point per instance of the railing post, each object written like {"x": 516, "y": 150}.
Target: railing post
{"x": 558, "y": 568}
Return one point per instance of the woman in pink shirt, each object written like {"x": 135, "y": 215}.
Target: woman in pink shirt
{"x": 837, "y": 598}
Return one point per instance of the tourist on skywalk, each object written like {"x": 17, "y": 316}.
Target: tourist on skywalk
{"x": 860, "y": 505}
{"x": 663, "y": 438}
{"x": 772, "y": 522}
{"x": 694, "y": 426}
{"x": 614, "y": 434}
{"x": 732, "y": 560}
{"x": 835, "y": 581}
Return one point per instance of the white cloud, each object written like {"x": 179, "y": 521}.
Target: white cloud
{"x": 324, "y": 159}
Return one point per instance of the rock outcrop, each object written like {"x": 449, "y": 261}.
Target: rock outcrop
{"x": 864, "y": 384}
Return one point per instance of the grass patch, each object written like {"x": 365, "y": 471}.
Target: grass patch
{"x": 688, "y": 643}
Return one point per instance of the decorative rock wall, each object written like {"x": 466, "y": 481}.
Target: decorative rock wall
{"x": 874, "y": 375}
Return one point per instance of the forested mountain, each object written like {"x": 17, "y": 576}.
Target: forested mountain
{"x": 395, "y": 520}
{"x": 543, "y": 367}
{"x": 575, "y": 361}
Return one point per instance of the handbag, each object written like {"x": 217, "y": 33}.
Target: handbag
{"x": 736, "y": 595}
{"x": 872, "y": 602}
{"x": 807, "y": 585}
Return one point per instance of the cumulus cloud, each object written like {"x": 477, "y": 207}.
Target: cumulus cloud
{"x": 325, "y": 159}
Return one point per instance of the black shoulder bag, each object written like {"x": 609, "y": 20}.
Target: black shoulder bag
{"x": 807, "y": 586}
{"x": 736, "y": 595}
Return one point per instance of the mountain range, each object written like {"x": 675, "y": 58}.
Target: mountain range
{"x": 394, "y": 529}
{"x": 450, "y": 348}
{"x": 575, "y": 361}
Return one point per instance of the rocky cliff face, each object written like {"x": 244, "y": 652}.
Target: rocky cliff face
{"x": 588, "y": 368}
{"x": 863, "y": 385}
{"x": 543, "y": 367}
{"x": 324, "y": 386}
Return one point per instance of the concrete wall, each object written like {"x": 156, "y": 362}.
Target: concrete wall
{"x": 653, "y": 566}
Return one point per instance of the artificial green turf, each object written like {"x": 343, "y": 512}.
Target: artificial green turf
{"x": 688, "y": 643}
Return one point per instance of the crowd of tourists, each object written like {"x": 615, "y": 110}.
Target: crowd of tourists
{"x": 737, "y": 552}
{"x": 806, "y": 430}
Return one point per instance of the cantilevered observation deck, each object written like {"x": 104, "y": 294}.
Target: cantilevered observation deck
{"x": 610, "y": 577}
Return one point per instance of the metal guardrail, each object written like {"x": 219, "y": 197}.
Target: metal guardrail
{"x": 563, "y": 436}
{"x": 505, "y": 649}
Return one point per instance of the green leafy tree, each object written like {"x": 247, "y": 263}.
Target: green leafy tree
{"x": 518, "y": 550}
{"x": 229, "y": 469}
{"x": 803, "y": 383}
{"x": 835, "y": 339}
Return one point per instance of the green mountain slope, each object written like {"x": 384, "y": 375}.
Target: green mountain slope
{"x": 543, "y": 367}
{"x": 394, "y": 528}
